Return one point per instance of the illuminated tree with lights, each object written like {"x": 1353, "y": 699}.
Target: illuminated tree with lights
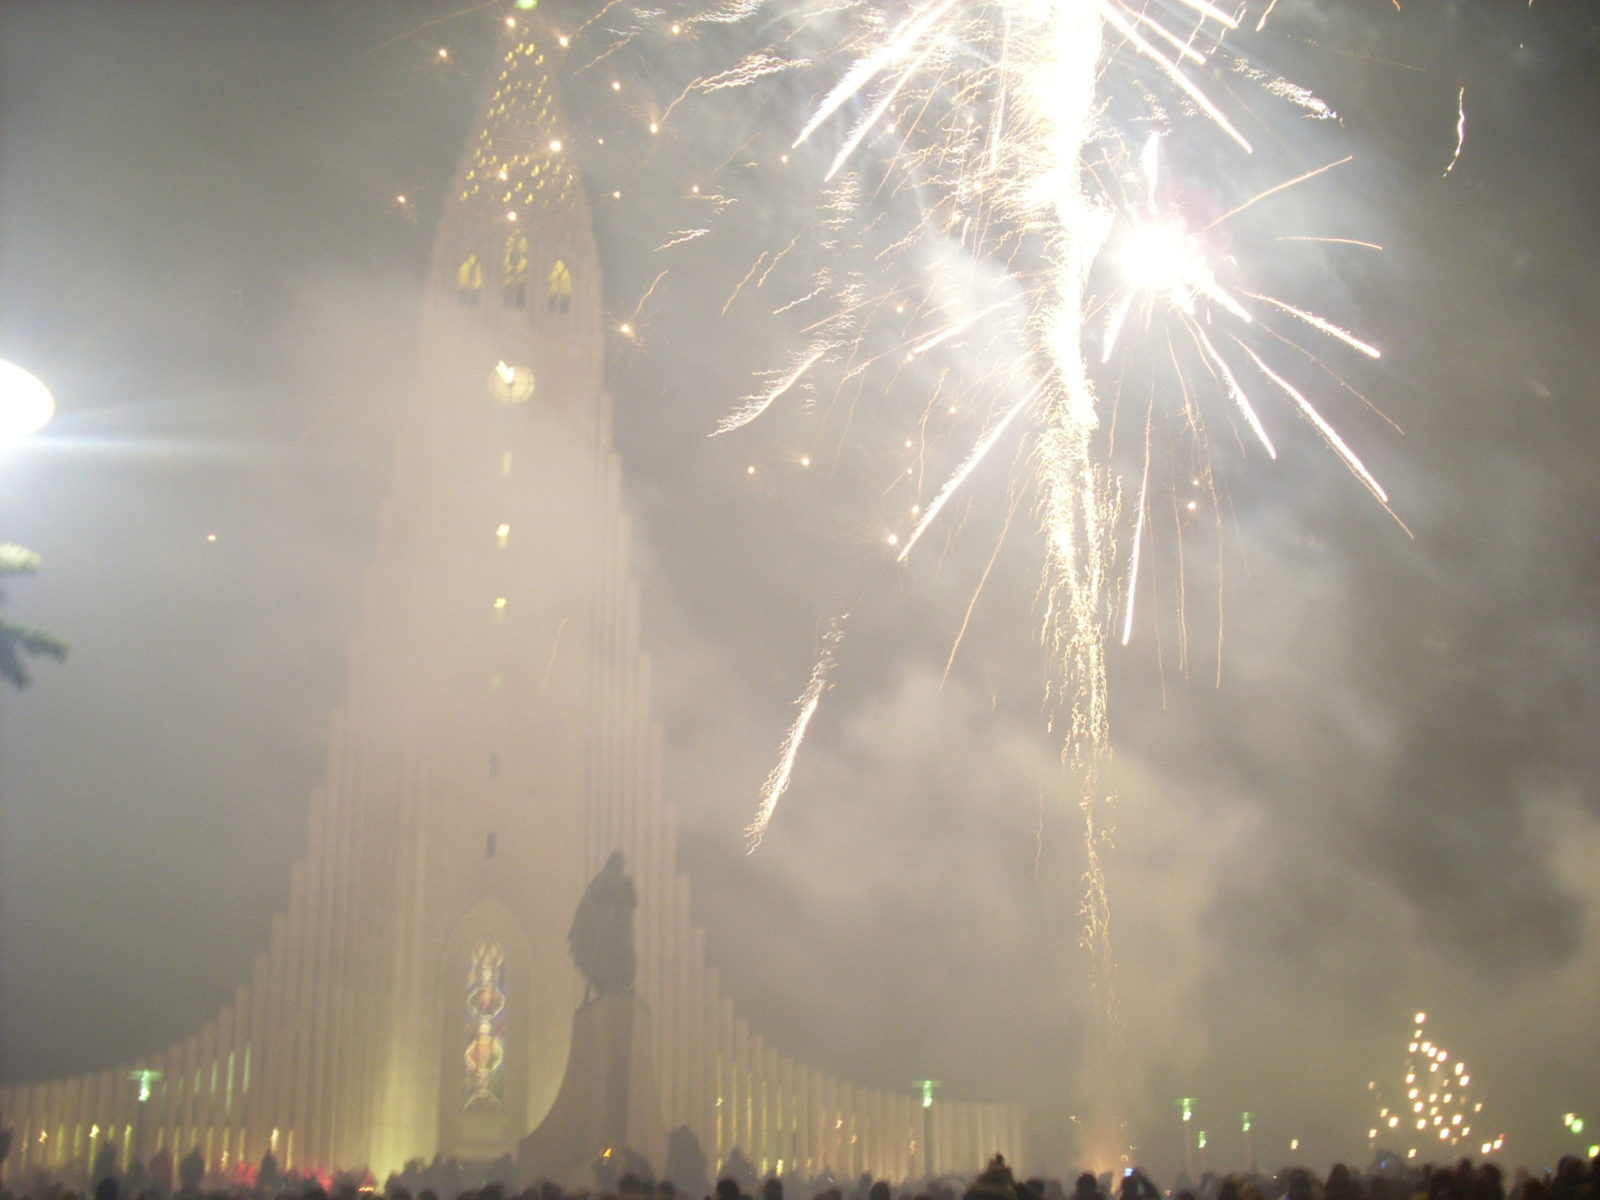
{"x": 1434, "y": 1111}
{"x": 18, "y": 643}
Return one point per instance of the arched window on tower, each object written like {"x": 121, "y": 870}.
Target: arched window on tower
{"x": 559, "y": 298}
{"x": 469, "y": 280}
{"x": 515, "y": 285}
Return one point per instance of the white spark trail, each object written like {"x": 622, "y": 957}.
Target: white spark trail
{"x": 979, "y": 452}
{"x": 863, "y": 72}
{"x": 944, "y": 335}
{"x": 1316, "y": 322}
{"x": 1212, "y": 12}
{"x": 1276, "y": 188}
{"x": 754, "y": 406}
{"x": 1171, "y": 70}
{"x": 680, "y": 236}
{"x": 1235, "y": 392}
{"x": 1138, "y": 540}
{"x": 1328, "y": 432}
{"x": 778, "y": 781}
{"x": 753, "y": 68}
{"x": 1461, "y": 129}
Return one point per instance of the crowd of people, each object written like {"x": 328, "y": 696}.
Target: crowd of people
{"x": 624, "y": 1177}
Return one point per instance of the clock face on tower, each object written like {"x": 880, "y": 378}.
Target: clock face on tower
{"x": 510, "y": 383}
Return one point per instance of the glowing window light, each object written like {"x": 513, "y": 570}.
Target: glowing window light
{"x": 502, "y": 535}
{"x": 558, "y": 288}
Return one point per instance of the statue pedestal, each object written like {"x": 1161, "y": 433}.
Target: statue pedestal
{"x": 607, "y": 1100}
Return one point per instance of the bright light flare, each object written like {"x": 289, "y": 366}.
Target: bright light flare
{"x": 26, "y": 404}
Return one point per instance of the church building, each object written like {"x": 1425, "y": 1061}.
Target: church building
{"x": 495, "y": 746}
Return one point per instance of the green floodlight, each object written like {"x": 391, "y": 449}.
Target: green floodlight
{"x": 927, "y": 1086}
{"x": 1244, "y": 1122}
{"x": 144, "y": 1078}
{"x": 1187, "y": 1104}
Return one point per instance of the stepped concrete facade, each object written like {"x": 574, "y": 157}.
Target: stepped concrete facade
{"x": 496, "y": 744}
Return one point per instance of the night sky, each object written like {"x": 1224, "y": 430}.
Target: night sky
{"x": 1361, "y": 784}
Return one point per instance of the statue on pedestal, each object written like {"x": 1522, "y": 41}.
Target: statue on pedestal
{"x": 601, "y": 936}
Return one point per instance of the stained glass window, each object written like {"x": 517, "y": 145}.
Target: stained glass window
{"x": 484, "y": 1059}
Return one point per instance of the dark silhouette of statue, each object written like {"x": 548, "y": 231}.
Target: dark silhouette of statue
{"x": 602, "y": 931}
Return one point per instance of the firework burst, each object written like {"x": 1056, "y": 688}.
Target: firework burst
{"x": 1435, "y": 1110}
{"x": 994, "y": 197}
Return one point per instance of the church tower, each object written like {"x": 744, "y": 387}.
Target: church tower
{"x": 483, "y": 729}
{"x": 496, "y": 745}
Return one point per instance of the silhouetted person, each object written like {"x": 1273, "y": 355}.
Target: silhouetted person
{"x": 105, "y": 1164}
{"x": 1340, "y": 1185}
{"x": 994, "y": 1183}
{"x": 1487, "y": 1184}
{"x": 191, "y": 1171}
{"x": 160, "y": 1174}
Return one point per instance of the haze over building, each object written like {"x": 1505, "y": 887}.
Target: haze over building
{"x": 495, "y": 746}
